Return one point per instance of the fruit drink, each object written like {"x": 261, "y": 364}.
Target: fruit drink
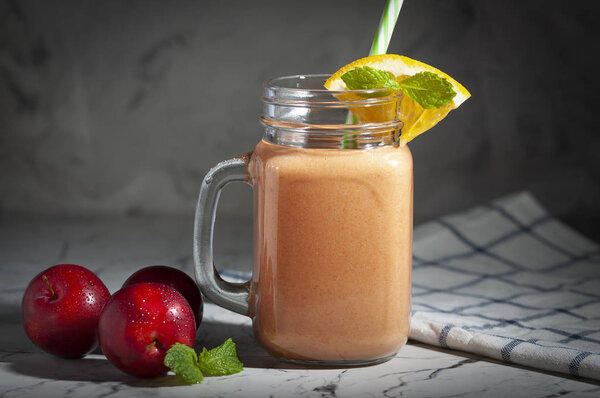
{"x": 332, "y": 264}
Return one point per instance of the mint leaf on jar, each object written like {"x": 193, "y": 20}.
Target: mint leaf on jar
{"x": 428, "y": 90}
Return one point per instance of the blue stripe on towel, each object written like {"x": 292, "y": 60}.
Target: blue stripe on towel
{"x": 508, "y": 348}
{"x": 444, "y": 335}
{"x": 576, "y": 362}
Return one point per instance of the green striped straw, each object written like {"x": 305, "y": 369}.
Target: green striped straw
{"x": 386, "y": 27}
{"x": 379, "y": 46}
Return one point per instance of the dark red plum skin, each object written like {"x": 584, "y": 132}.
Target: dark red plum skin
{"x": 140, "y": 323}
{"x": 61, "y": 308}
{"x": 175, "y": 278}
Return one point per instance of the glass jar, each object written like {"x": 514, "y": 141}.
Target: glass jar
{"x": 333, "y": 193}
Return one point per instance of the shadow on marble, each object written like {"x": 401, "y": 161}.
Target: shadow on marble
{"x": 93, "y": 368}
{"x": 13, "y": 337}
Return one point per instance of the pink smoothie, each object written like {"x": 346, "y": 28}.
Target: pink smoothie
{"x": 332, "y": 251}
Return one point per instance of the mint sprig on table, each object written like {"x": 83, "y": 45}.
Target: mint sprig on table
{"x": 220, "y": 361}
{"x": 191, "y": 368}
{"x": 425, "y": 88}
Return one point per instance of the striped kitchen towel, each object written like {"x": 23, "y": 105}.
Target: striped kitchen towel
{"x": 509, "y": 282}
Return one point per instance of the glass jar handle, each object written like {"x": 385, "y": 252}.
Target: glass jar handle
{"x": 232, "y": 296}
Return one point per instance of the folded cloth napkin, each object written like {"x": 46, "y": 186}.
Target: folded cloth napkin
{"x": 508, "y": 282}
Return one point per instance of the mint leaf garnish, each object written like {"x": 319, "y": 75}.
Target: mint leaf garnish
{"x": 428, "y": 90}
{"x": 367, "y": 78}
{"x": 220, "y": 361}
{"x": 183, "y": 361}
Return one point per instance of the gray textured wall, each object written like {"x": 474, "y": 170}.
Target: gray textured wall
{"x": 122, "y": 106}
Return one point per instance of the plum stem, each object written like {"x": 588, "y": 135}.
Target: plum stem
{"x": 54, "y": 297}
{"x": 151, "y": 345}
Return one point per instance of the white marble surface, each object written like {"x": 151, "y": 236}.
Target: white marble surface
{"x": 115, "y": 247}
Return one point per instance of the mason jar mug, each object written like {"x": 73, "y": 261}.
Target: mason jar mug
{"x": 333, "y": 194}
